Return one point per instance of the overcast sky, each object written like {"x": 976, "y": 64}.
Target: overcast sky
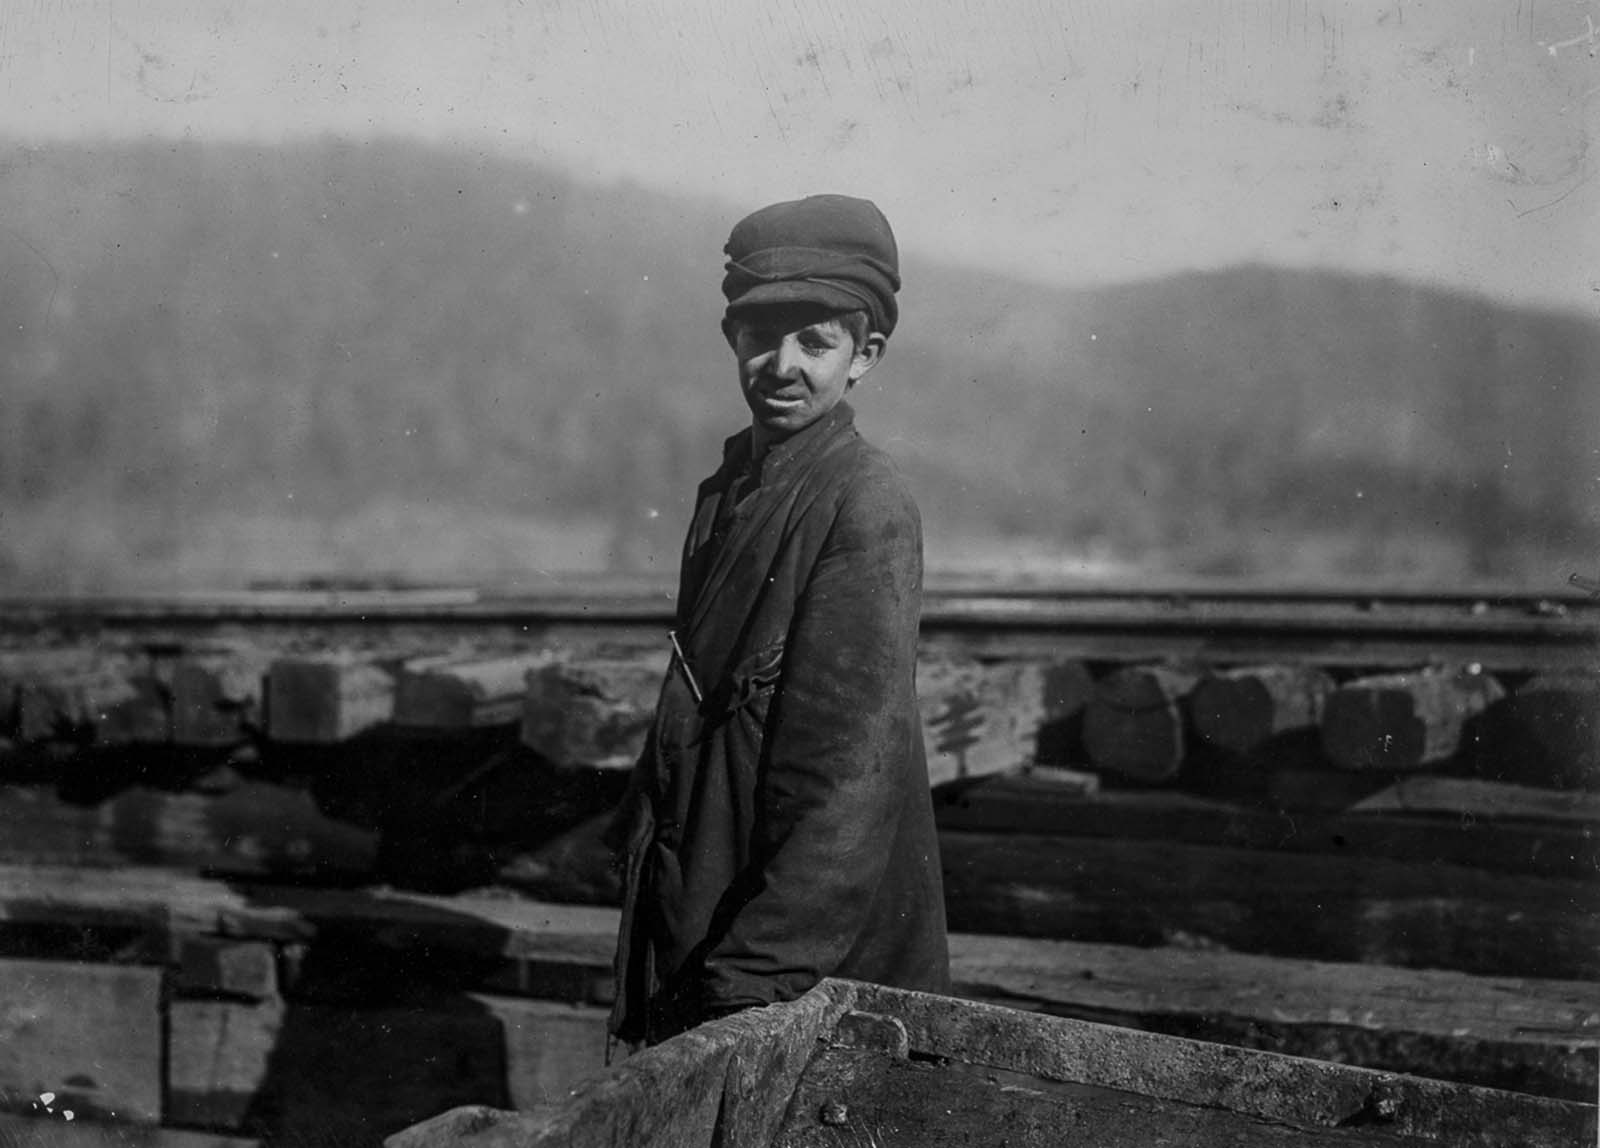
{"x": 1076, "y": 141}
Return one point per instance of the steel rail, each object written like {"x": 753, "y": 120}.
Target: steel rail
{"x": 1496, "y": 629}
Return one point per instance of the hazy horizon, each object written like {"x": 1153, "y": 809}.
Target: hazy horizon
{"x": 1073, "y": 144}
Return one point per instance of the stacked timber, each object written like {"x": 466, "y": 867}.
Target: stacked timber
{"x": 270, "y": 1014}
{"x": 1391, "y": 864}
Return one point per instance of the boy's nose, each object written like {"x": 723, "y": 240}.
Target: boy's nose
{"x": 786, "y": 358}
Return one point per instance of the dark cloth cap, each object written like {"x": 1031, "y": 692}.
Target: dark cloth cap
{"x": 833, "y": 250}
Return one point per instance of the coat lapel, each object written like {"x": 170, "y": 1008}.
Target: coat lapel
{"x": 783, "y": 475}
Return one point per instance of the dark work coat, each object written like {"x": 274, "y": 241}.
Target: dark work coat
{"x": 781, "y": 830}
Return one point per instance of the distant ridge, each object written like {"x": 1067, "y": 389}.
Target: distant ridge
{"x": 371, "y": 344}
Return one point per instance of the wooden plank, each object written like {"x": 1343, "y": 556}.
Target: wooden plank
{"x": 1536, "y": 1036}
{"x": 592, "y": 712}
{"x": 1392, "y": 826}
{"x": 1134, "y": 726}
{"x": 256, "y": 829}
{"x": 1243, "y": 710}
{"x": 449, "y": 693}
{"x": 1303, "y": 1093}
{"x": 722, "y": 1085}
{"x": 54, "y": 1017}
{"x": 1404, "y": 721}
{"x": 550, "y": 1047}
{"x": 1320, "y": 906}
{"x": 1490, "y": 800}
{"x": 325, "y": 700}
{"x": 175, "y": 903}
{"x": 58, "y": 1132}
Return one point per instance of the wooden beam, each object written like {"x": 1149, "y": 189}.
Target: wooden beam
{"x": 1473, "y": 798}
{"x": 1551, "y": 726}
{"x": 217, "y": 697}
{"x": 978, "y": 718}
{"x": 592, "y": 712}
{"x": 1404, "y": 721}
{"x": 178, "y": 904}
{"x": 1504, "y": 829}
{"x": 1147, "y": 893}
{"x": 255, "y": 829}
{"x": 1134, "y": 726}
{"x": 1303, "y": 1093}
{"x": 325, "y": 700}
{"x": 1242, "y": 710}
{"x": 110, "y": 701}
{"x": 54, "y": 1020}
{"x": 454, "y": 693}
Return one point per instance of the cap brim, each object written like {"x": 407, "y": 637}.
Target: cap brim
{"x": 794, "y": 292}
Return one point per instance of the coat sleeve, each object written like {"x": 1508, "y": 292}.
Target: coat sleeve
{"x": 838, "y": 758}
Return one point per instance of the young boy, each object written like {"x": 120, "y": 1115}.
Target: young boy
{"x": 778, "y": 827}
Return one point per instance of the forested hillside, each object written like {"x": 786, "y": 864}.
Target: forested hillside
{"x": 221, "y": 364}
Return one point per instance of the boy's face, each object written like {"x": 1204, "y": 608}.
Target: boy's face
{"x": 795, "y": 364}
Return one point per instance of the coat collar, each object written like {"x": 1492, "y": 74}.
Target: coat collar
{"x": 785, "y": 464}
{"x": 783, "y": 454}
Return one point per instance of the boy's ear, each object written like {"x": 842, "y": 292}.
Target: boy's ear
{"x": 868, "y": 355}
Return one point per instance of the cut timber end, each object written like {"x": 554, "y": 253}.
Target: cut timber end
{"x": 1553, "y": 721}
{"x": 1241, "y": 710}
{"x": 1134, "y": 725}
{"x": 978, "y": 718}
{"x": 216, "y": 699}
{"x": 592, "y": 713}
{"x": 452, "y": 694}
{"x": 1403, "y": 721}
{"x": 326, "y": 700}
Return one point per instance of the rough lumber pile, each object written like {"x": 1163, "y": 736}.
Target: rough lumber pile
{"x": 298, "y": 1016}
{"x": 1270, "y": 854}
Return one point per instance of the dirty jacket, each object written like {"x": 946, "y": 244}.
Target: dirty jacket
{"x": 778, "y": 828}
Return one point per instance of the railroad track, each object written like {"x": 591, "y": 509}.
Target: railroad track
{"x": 1496, "y": 629}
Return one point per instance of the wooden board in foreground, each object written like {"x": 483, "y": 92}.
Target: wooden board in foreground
{"x": 729, "y": 1084}
{"x": 1534, "y": 1036}
{"x": 58, "y": 1132}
